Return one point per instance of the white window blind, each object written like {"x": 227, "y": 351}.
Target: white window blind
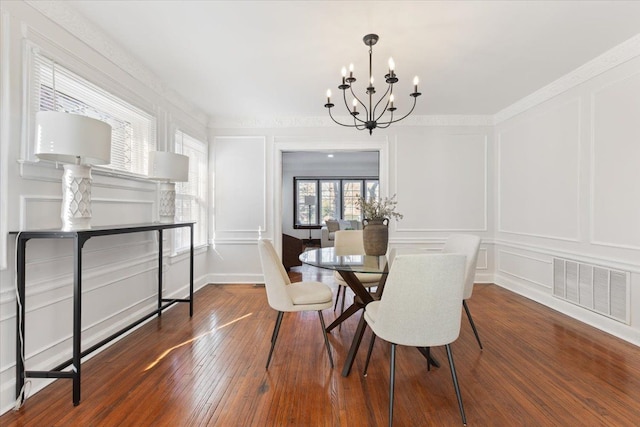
{"x": 191, "y": 196}
{"x": 55, "y": 88}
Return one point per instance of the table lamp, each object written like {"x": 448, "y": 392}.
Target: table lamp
{"x": 79, "y": 142}
{"x": 168, "y": 168}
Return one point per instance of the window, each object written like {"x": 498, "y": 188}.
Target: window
{"x": 336, "y": 198}
{"x": 55, "y": 88}
{"x": 191, "y": 196}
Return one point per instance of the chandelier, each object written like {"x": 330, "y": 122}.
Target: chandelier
{"x": 371, "y": 115}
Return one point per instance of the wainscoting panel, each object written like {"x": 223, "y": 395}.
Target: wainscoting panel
{"x": 539, "y": 173}
{"x": 616, "y": 158}
{"x": 535, "y": 270}
{"x": 240, "y": 185}
{"x": 444, "y": 183}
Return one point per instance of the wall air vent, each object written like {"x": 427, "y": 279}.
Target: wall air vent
{"x": 599, "y": 289}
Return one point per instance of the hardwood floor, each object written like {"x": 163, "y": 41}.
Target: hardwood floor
{"x": 538, "y": 368}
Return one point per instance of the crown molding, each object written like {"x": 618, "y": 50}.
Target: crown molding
{"x": 316, "y": 121}
{"x": 76, "y": 24}
{"x": 612, "y": 58}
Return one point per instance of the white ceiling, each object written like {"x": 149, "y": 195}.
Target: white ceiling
{"x": 278, "y": 58}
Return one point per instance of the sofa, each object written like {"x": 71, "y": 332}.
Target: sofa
{"x": 333, "y": 225}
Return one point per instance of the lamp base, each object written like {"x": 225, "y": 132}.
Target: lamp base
{"x": 167, "y": 211}
{"x": 76, "y": 197}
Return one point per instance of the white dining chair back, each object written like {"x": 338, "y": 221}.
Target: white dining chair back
{"x": 276, "y": 278}
{"x": 420, "y": 306}
{"x": 350, "y": 242}
{"x": 468, "y": 245}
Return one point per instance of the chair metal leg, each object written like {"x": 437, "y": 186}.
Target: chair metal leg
{"x": 455, "y": 383}
{"x": 337, "y": 298}
{"x": 366, "y": 363}
{"x": 326, "y": 340}
{"x": 392, "y": 379}
{"x": 274, "y": 336}
{"x": 473, "y": 325}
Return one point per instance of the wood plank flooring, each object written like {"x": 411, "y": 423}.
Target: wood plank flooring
{"x": 538, "y": 368}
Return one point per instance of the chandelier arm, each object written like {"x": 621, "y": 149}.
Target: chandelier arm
{"x": 388, "y": 91}
{"x": 366, "y": 112}
{"x": 415, "y": 99}
{"x": 337, "y": 122}
{"x": 384, "y": 126}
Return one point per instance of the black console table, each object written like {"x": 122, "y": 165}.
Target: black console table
{"x": 79, "y": 238}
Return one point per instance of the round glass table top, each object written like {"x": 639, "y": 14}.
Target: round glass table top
{"x": 328, "y": 258}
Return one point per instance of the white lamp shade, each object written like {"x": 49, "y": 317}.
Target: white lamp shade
{"x": 71, "y": 138}
{"x": 309, "y": 200}
{"x": 166, "y": 166}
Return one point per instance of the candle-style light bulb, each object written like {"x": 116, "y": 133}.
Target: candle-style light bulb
{"x": 391, "y": 98}
{"x": 344, "y": 74}
{"x": 371, "y": 80}
{"x": 350, "y": 70}
{"x": 355, "y": 104}
{"x": 328, "y": 96}
{"x": 415, "y": 84}
{"x": 392, "y": 66}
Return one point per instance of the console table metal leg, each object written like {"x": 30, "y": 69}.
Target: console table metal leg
{"x": 191, "y": 274}
{"x": 159, "y": 273}
{"x": 20, "y": 310}
{"x": 77, "y": 317}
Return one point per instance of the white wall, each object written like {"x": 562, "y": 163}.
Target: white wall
{"x": 567, "y": 175}
{"x": 440, "y": 173}
{"x": 119, "y": 272}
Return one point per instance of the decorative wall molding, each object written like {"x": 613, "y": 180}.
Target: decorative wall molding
{"x": 532, "y": 118}
{"x": 519, "y": 276}
{"x": 5, "y": 135}
{"x": 485, "y": 220}
{"x": 252, "y": 163}
{"x": 608, "y": 143}
{"x": 608, "y": 60}
{"x": 614, "y": 264}
{"x": 227, "y": 279}
{"x": 322, "y": 121}
{"x": 80, "y": 27}
{"x": 52, "y": 172}
{"x": 26, "y": 200}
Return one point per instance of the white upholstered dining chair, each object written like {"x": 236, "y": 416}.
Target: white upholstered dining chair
{"x": 468, "y": 245}
{"x": 420, "y": 307}
{"x": 284, "y": 296}
{"x": 349, "y": 242}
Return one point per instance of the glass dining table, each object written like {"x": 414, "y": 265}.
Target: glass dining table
{"x": 347, "y": 266}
